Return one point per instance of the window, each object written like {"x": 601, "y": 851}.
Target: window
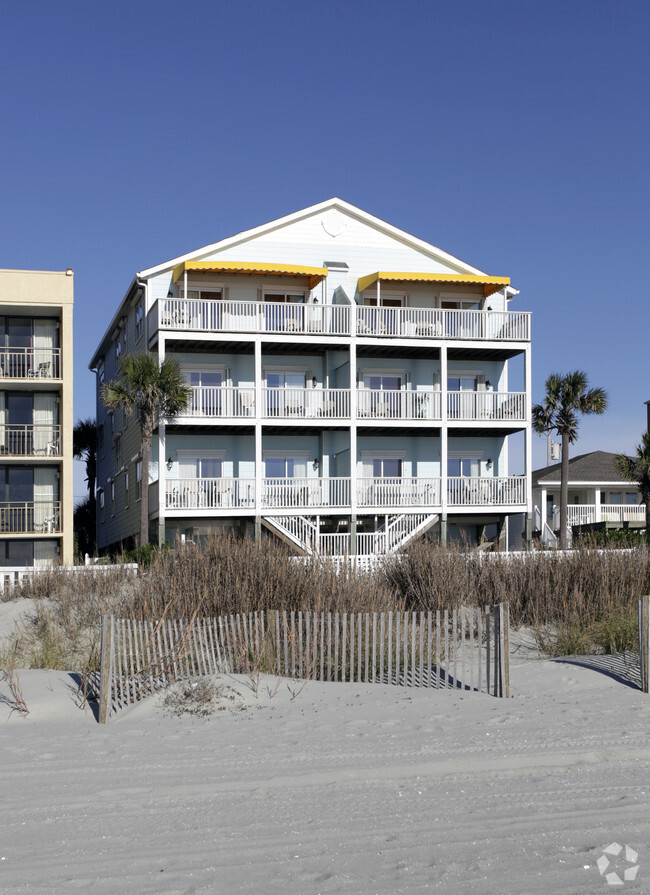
{"x": 615, "y": 497}
{"x": 126, "y": 488}
{"x": 138, "y": 479}
{"x": 100, "y": 441}
{"x": 284, "y": 311}
{"x": 100, "y": 372}
{"x": 463, "y": 467}
{"x": 112, "y": 498}
{"x": 207, "y": 398}
{"x": 387, "y": 467}
{"x": 100, "y": 495}
{"x": 630, "y": 498}
{"x": 384, "y": 316}
{"x": 288, "y": 395}
{"x": 118, "y": 348}
{"x": 384, "y": 397}
{"x": 288, "y": 467}
{"x": 118, "y": 451}
{"x": 139, "y": 321}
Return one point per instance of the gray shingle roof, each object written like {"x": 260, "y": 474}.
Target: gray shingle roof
{"x": 598, "y": 466}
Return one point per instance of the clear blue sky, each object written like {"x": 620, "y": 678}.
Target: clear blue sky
{"x": 514, "y": 135}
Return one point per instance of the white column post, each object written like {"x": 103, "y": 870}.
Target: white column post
{"x": 162, "y": 469}
{"x": 353, "y": 446}
{"x": 258, "y": 437}
{"x": 443, "y": 439}
{"x": 528, "y": 446}
{"x": 597, "y": 511}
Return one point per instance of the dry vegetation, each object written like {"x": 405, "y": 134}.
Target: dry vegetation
{"x": 587, "y": 599}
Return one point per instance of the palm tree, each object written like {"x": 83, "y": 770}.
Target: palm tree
{"x": 567, "y": 396}
{"x": 637, "y": 469}
{"x": 84, "y": 447}
{"x": 153, "y": 393}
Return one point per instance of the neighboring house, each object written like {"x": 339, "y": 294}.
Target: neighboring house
{"x": 598, "y": 493}
{"x": 350, "y": 391}
{"x": 36, "y": 417}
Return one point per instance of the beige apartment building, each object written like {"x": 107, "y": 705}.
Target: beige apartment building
{"x": 36, "y": 417}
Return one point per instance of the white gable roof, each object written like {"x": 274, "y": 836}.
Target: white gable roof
{"x": 328, "y": 225}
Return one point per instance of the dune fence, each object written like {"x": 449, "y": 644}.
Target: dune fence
{"x": 459, "y": 649}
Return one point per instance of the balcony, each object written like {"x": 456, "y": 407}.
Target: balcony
{"x": 37, "y": 440}
{"x": 334, "y": 492}
{"x": 30, "y": 363}
{"x": 398, "y": 405}
{"x": 215, "y": 402}
{"x": 486, "y": 491}
{"x": 615, "y": 514}
{"x": 306, "y": 403}
{"x": 30, "y": 517}
{"x": 399, "y": 492}
{"x": 491, "y": 406}
{"x": 210, "y": 316}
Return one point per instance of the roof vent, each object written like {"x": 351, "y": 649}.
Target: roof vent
{"x": 336, "y": 265}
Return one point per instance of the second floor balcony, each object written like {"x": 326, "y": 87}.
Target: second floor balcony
{"x": 36, "y": 440}
{"x": 30, "y": 517}
{"x": 30, "y": 363}
{"x": 376, "y": 405}
{"x": 215, "y": 316}
{"x": 326, "y": 493}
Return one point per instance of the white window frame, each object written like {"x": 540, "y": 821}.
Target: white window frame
{"x": 467, "y": 455}
{"x": 196, "y": 455}
{"x": 286, "y": 455}
{"x": 139, "y": 320}
{"x": 138, "y": 478}
{"x": 368, "y": 458}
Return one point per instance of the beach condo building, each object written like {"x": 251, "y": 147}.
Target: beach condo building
{"x": 350, "y": 392}
{"x": 36, "y": 418}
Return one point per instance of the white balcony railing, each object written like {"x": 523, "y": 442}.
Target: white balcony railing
{"x": 310, "y": 403}
{"x": 481, "y": 491}
{"x": 486, "y": 406}
{"x": 399, "y": 491}
{"x": 37, "y": 440}
{"x": 23, "y": 517}
{"x": 338, "y": 320}
{"x": 304, "y": 493}
{"x": 221, "y": 401}
{"x": 252, "y": 316}
{"x": 30, "y": 363}
{"x": 436, "y": 323}
{"x": 209, "y": 494}
{"x": 585, "y": 514}
{"x": 297, "y": 493}
{"x": 398, "y": 405}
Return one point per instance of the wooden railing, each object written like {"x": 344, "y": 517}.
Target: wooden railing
{"x": 338, "y": 320}
{"x": 297, "y": 493}
{"x": 310, "y": 403}
{"x": 398, "y": 492}
{"x": 398, "y": 405}
{"x": 39, "y": 439}
{"x": 252, "y": 316}
{"x": 221, "y": 401}
{"x": 380, "y": 492}
{"x": 23, "y": 517}
{"x": 481, "y": 491}
{"x": 618, "y": 513}
{"x": 209, "y": 494}
{"x": 30, "y": 363}
{"x": 486, "y": 405}
{"x": 436, "y": 323}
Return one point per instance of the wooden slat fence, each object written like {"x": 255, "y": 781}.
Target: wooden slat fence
{"x": 644, "y": 643}
{"x": 461, "y": 649}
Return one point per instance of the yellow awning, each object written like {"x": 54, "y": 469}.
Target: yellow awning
{"x": 489, "y": 284}
{"x": 315, "y": 274}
